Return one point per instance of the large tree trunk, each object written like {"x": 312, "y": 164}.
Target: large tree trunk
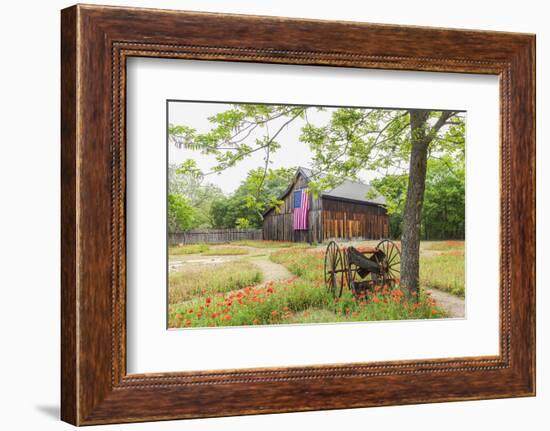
{"x": 410, "y": 238}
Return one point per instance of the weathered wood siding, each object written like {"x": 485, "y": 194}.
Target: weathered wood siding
{"x": 348, "y": 220}
{"x": 328, "y": 218}
{"x": 277, "y": 225}
{"x": 213, "y": 236}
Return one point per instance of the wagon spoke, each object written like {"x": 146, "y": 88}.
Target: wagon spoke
{"x": 393, "y": 255}
{"x": 391, "y": 262}
{"x": 334, "y": 271}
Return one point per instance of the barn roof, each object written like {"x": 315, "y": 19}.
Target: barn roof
{"x": 352, "y": 190}
{"x": 347, "y": 190}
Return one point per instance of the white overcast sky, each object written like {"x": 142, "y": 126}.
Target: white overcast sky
{"x": 292, "y": 152}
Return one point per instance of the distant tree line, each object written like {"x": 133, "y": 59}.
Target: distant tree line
{"x": 193, "y": 203}
{"x": 443, "y": 211}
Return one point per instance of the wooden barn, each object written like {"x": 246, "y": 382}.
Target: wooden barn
{"x": 341, "y": 213}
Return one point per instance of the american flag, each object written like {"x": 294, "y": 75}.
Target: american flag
{"x": 301, "y": 206}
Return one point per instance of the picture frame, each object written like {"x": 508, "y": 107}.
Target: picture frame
{"x": 96, "y": 41}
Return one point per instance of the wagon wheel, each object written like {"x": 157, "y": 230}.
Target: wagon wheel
{"x": 391, "y": 262}
{"x": 334, "y": 269}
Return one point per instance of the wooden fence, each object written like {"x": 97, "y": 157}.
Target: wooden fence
{"x": 213, "y": 236}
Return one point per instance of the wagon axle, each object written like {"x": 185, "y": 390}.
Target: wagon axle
{"x": 361, "y": 270}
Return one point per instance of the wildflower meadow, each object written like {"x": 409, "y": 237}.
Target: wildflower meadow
{"x": 237, "y": 294}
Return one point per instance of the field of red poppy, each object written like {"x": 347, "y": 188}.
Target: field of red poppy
{"x": 301, "y": 298}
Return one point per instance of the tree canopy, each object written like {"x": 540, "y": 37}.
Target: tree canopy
{"x": 200, "y": 195}
{"x": 352, "y": 141}
{"x": 257, "y": 193}
{"x": 391, "y": 142}
{"x": 443, "y": 215}
{"x": 180, "y": 213}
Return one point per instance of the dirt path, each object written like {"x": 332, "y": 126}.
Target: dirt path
{"x": 272, "y": 271}
{"x": 453, "y": 305}
{"x": 258, "y": 256}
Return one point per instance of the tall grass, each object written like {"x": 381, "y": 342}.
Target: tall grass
{"x": 298, "y": 301}
{"x": 444, "y": 271}
{"x": 203, "y": 281}
{"x": 225, "y": 251}
{"x": 179, "y": 250}
{"x": 270, "y": 244}
{"x": 450, "y": 245}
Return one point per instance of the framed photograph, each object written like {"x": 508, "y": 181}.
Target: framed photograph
{"x": 322, "y": 214}
{"x": 283, "y": 214}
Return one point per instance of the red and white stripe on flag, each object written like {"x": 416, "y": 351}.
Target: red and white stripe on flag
{"x": 301, "y": 207}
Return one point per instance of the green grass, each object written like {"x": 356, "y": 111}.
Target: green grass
{"x": 210, "y": 280}
{"x": 306, "y": 264}
{"x": 187, "y": 249}
{"x": 301, "y": 299}
{"x": 297, "y": 301}
{"x": 443, "y": 267}
{"x": 270, "y": 244}
{"x": 234, "y": 248}
{"x": 206, "y": 250}
{"x": 225, "y": 251}
{"x": 451, "y": 245}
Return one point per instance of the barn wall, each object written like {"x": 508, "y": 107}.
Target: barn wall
{"x": 347, "y": 220}
{"x": 277, "y": 225}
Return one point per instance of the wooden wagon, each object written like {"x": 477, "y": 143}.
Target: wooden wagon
{"x": 361, "y": 269}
